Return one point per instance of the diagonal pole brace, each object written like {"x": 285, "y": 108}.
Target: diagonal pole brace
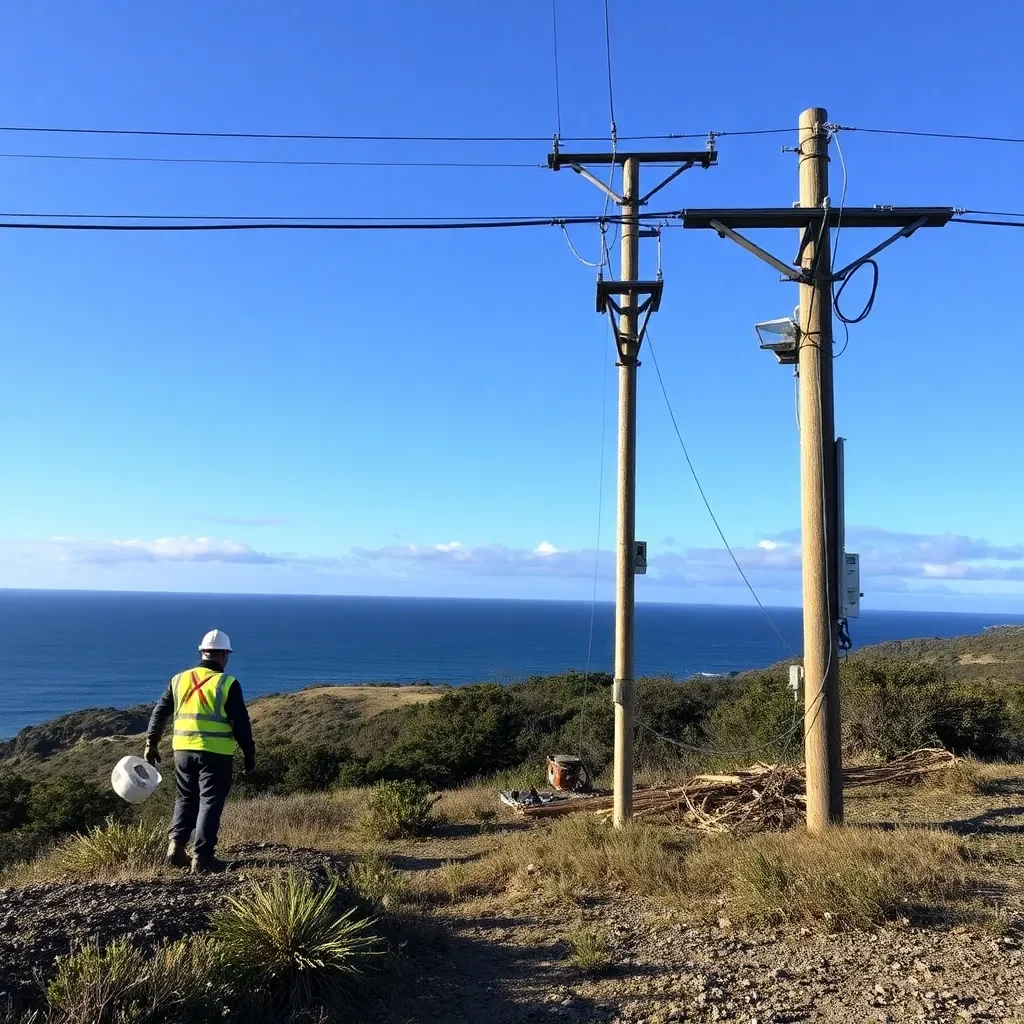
{"x": 761, "y": 254}
{"x": 583, "y": 172}
{"x": 902, "y": 233}
{"x": 675, "y": 174}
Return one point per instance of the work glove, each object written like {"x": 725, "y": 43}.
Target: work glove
{"x": 250, "y": 764}
{"x": 152, "y": 754}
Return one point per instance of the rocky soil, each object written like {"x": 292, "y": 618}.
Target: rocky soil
{"x": 38, "y": 923}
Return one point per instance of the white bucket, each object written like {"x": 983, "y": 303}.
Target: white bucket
{"x": 134, "y": 779}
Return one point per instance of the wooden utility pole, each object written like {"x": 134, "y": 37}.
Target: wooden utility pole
{"x": 633, "y": 300}
{"x": 809, "y": 345}
{"x": 819, "y": 494}
{"x": 625, "y": 581}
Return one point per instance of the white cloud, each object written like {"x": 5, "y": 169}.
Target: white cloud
{"x": 891, "y": 562}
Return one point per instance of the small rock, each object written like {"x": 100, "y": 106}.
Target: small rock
{"x": 724, "y": 922}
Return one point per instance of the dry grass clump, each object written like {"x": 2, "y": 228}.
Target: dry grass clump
{"x": 108, "y": 851}
{"x": 315, "y": 820}
{"x": 467, "y": 806}
{"x": 119, "y": 983}
{"x": 844, "y": 877}
{"x": 578, "y": 853}
{"x": 375, "y": 881}
{"x": 966, "y": 777}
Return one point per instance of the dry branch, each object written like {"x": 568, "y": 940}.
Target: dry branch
{"x": 759, "y": 798}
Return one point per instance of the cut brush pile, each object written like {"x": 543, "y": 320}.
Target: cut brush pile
{"x": 761, "y": 798}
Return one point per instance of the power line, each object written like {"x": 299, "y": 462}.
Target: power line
{"x": 554, "y": 39}
{"x": 931, "y": 135}
{"x": 311, "y": 225}
{"x": 554, "y": 218}
{"x": 608, "y": 62}
{"x": 704, "y": 498}
{"x": 309, "y": 137}
{"x": 104, "y": 158}
{"x": 597, "y": 543}
{"x": 993, "y": 213}
{"x": 992, "y": 223}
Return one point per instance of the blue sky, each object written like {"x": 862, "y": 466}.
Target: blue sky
{"x": 421, "y": 413}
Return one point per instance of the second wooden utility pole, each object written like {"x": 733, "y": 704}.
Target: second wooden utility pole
{"x": 809, "y": 345}
{"x": 819, "y": 495}
{"x": 632, "y": 300}
{"x": 625, "y": 580}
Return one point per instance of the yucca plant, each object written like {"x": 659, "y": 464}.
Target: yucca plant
{"x": 111, "y": 848}
{"x": 288, "y": 939}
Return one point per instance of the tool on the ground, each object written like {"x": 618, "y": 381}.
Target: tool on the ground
{"x": 568, "y": 773}
{"x": 134, "y": 779}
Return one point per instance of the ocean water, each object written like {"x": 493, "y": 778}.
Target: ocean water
{"x": 62, "y": 651}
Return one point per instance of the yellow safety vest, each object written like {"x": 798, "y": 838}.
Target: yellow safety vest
{"x": 200, "y": 722}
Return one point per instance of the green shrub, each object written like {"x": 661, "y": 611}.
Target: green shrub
{"x": 66, "y": 803}
{"x": 110, "y": 849}
{"x": 14, "y": 793}
{"x": 94, "y": 984}
{"x": 120, "y": 984}
{"x": 312, "y": 768}
{"x": 590, "y": 951}
{"x": 762, "y": 718}
{"x": 397, "y": 809}
{"x": 287, "y": 938}
{"x": 373, "y": 879}
{"x": 890, "y": 707}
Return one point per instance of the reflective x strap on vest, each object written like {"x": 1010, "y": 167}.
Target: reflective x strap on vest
{"x": 214, "y": 714}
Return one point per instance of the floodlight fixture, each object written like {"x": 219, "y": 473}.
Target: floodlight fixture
{"x": 780, "y": 336}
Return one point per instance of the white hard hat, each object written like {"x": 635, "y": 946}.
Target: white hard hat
{"x": 216, "y": 640}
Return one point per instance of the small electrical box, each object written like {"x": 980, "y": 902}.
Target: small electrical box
{"x": 796, "y": 680}
{"x": 849, "y": 587}
{"x": 639, "y": 557}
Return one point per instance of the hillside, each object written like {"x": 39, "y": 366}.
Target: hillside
{"x": 362, "y": 721}
{"x": 916, "y": 912}
{"x": 88, "y": 742}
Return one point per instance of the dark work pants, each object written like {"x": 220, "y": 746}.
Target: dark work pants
{"x": 202, "y": 781}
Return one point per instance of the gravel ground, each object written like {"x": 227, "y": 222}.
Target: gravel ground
{"x": 38, "y": 923}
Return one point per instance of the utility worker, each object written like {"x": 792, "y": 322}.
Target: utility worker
{"x": 210, "y": 717}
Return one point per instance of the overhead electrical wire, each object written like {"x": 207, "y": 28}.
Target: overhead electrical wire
{"x": 309, "y": 137}
{"x": 597, "y": 543}
{"x": 991, "y": 223}
{"x": 328, "y": 137}
{"x": 558, "y": 92}
{"x": 313, "y": 225}
{"x": 110, "y": 158}
{"x": 704, "y": 498}
{"x": 608, "y": 63}
{"x": 932, "y": 135}
{"x": 992, "y": 213}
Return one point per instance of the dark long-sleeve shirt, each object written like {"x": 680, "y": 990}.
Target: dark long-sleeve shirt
{"x": 234, "y": 708}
